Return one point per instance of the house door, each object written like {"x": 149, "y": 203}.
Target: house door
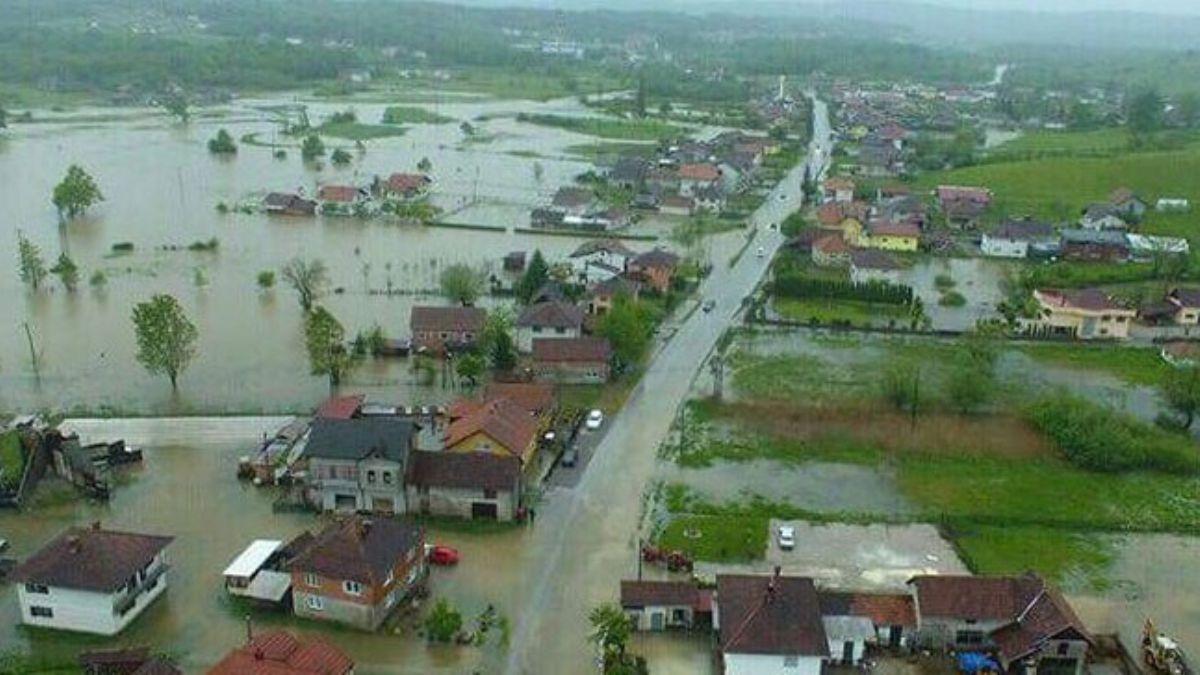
{"x": 383, "y": 506}
{"x": 484, "y": 510}
{"x": 895, "y": 633}
{"x": 656, "y": 621}
{"x": 848, "y": 652}
{"x": 345, "y": 503}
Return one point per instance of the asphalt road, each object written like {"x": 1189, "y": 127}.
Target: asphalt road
{"x": 584, "y": 542}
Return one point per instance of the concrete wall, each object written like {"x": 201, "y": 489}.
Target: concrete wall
{"x": 643, "y": 618}
{"x": 940, "y": 633}
{"x": 457, "y": 502}
{"x": 86, "y": 611}
{"x": 527, "y": 334}
{"x": 571, "y": 373}
{"x": 1004, "y": 248}
{"x": 771, "y": 664}
{"x": 368, "y": 494}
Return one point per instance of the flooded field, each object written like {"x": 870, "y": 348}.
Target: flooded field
{"x": 190, "y": 492}
{"x": 162, "y": 187}
{"x": 977, "y": 279}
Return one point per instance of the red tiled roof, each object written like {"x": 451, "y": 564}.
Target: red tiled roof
{"x": 1046, "y": 618}
{"x": 279, "y": 653}
{"x": 337, "y": 193}
{"x": 891, "y": 228}
{"x": 466, "y": 470}
{"x": 659, "y": 593}
{"x": 830, "y": 214}
{"x": 954, "y": 193}
{"x": 571, "y": 350}
{"x": 699, "y": 172}
{"x": 1090, "y": 299}
{"x": 770, "y": 615}
{"x": 407, "y": 182}
{"x": 831, "y": 245}
{"x": 976, "y": 598}
{"x": 447, "y": 319}
{"x": 881, "y": 609}
{"x": 341, "y": 407}
{"x": 503, "y": 421}
{"x": 535, "y": 397}
{"x": 360, "y": 549}
{"x": 90, "y": 559}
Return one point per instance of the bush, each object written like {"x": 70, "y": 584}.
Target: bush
{"x": 1096, "y": 438}
{"x": 122, "y": 247}
{"x": 944, "y": 282}
{"x": 952, "y": 299}
{"x": 266, "y": 279}
{"x": 443, "y": 622}
{"x": 797, "y": 285}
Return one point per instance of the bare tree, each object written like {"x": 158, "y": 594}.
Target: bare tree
{"x": 308, "y": 278}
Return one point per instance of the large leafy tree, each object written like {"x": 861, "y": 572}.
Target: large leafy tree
{"x": 1181, "y": 389}
{"x": 308, "y": 278}
{"x": 611, "y": 630}
{"x": 629, "y": 327}
{"x": 1144, "y": 111}
{"x": 325, "y": 340}
{"x": 496, "y": 340}
{"x": 166, "y": 338}
{"x": 30, "y": 265}
{"x": 462, "y": 284}
{"x": 67, "y": 272}
{"x": 536, "y": 275}
{"x": 76, "y": 193}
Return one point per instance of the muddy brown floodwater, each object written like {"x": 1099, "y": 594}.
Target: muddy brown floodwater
{"x": 162, "y": 187}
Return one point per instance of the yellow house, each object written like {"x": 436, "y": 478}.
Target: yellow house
{"x": 890, "y": 236}
{"x": 1087, "y": 314}
{"x": 499, "y": 427}
{"x": 852, "y": 230}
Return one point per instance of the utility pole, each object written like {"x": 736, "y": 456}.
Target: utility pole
{"x": 717, "y": 365}
{"x": 33, "y": 359}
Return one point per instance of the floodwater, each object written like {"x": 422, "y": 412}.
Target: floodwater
{"x": 162, "y": 187}
{"x": 191, "y": 493}
{"x": 977, "y": 279}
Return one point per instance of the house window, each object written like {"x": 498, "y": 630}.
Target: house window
{"x": 312, "y": 580}
{"x": 41, "y": 612}
{"x": 791, "y": 661}
{"x": 371, "y": 476}
{"x": 537, "y": 329}
{"x": 1063, "y": 648}
{"x": 352, "y": 587}
{"x": 37, "y": 588}
{"x": 969, "y": 637}
{"x": 387, "y": 477}
{"x": 315, "y": 603}
{"x": 560, "y": 330}
{"x": 489, "y": 494}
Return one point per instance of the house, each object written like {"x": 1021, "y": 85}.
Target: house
{"x": 709, "y": 199}
{"x": 831, "y": 251}
{"x": 839, "y": 190}
{"x": 1021, "y": 618}
{"x": 341, "y": 200}
{"x": 676, "y": 205}
{"x": 1085, "y": 314}
{"x": 602, "y": 295}
{"x": 694, "y": 177}
{"x": 1127, "y": 203}
{"x": 358, "y": 465}
{"x": 600, "y": 259}
{"x": 357, "y": 571}
{"x": 558, "y": 319}
{"x": 498, "y": 427}
{"x": 405, "y": 186}
{"x": 1186, "y": 305}
{"x": 768, "y": 624}
{"x": 538, "y": 399}
{"x": 1102, "y": 217}
{"x": 1093, "y": 245}
{"x": 91, "y": 580}
{"x": 573, "y": 201}
{"x": 281, "y": 653}
{"x": 125, "y": 661}
{"x": 585, "y": 360}
{"x": 655, "y": 268}
{"x": 894, "y": 134}
{"x": 341, "y": 407}
{"x": 1148, "y": 247}
{"x": 1169, "y": 204}
{"x": 663, "y": 605}
{"x": 867, "y": 265}
{"x": 890, "y": 235}
{"x": 629, "y": 173}
{"x": 288, "y": 204}
{"x": 875, "y": 619}
{"x": 475, "y": 485}
{"x": 439, "y": 329}
{"x": 963, "y": 205}
{"x": 1013, "y": 238}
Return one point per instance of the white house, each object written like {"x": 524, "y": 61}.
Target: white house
{"x": 555, "y": 319}
{"x": 769, "y": 624}
{"x": 1013, "y": 238}
{"x": 1102, "y": 217}
{"x": 1172, "y": 204}
{"x": 600, "y": 260}
{"x": 91, "y": 580}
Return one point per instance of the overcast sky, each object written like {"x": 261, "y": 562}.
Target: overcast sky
{"x": 1157, "y": 6}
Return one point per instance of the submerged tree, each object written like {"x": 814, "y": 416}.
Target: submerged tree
{"x": 76, "y": 193}
{"x": 30, "y": 265}
{"x": 312, "y": 147}
{"x": 536, "y": 275}
{"x": 325, "y": 340}
{"x": 611, "y": 630}
{"x": 222, "y": 144}
{"x": 67, "y": 272}
{"x": 462, "y": 284}
{"x": 166, "y": 338}
{"x": 341, "y": 157}
{"x": 1181, "y": 389}
{"x": 308, "y": 278}
{"x": 496, "y": 340}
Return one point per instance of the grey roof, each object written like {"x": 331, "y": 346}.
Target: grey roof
{"x": 629, "y": 169}
{"x": 554, "y": 314}
{"x": 360, "y": 438}
{"x": 1023, "y": 230}
{"x": 1104, "y": 237}
{"x": 1101, "y": 210}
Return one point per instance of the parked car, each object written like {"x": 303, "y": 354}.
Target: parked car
{"x": 708, "y": 306}
{"x": 443, "y": 555}
{"x": 762, "y": 252}
{"x": 787, "y": 537}
{"x": 569, "y": 457}
{"x": 594, "y": 419}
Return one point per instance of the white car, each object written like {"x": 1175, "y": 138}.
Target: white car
{"x": 787, "y": 537}
{"x": 594, "y": 419}
{"x": 762, "y": 252}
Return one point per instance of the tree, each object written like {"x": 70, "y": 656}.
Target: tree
{"x": 177, "y": 105}
{"x": 536, "y": 275}
{"x": 325, "y": 340}
{"x": 496, "y": 340}
{"x": 972, "y": 380}
{"x": 312, "y": 147}
{"x": 443, "y": 622}
{"x": 1181, "y": 389}
{"x": 31, "y": 267}
{"x": 166, "y": 339}
{"x": 1188, "y": 104}
{"x": 462, "y": 284}
{"x": 222, "y": 144}
{"x": 308, "y": 278}
{"x": 611, "y": 630}
{"x": 1144, "y": 112}
{"x": 470, "y": 367}
{"x": 425, "y": 166}
{"x": 341, "y": 157}
{"x": 902, "y": 387}
{"x": 266, "y": 279}
{"x": 76, "y": 193}
{"x": 629, "y": 327}
{"x": 67, "y": 271}
{"x": 3, "y": 118}
{"x": 639, "y": 102}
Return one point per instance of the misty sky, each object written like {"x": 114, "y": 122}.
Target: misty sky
{"x": 1157, "y": 6}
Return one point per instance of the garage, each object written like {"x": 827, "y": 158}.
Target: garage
{"x": 484, "y": 510}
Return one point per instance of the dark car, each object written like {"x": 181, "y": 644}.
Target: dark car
{"x": 569, "y": 457}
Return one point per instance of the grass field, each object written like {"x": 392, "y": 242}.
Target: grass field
{"x": 628, "y": 130}
{"x": 1136, "y": 365}
{"x": 1073, "y": 559}
{"x": 404, "y": 114}
{"x": 357, "y": 131}
{"x": 828, "y": 311}
{"x": 611, "y": 148}
{"x": 12, "y": 463}
{"x": 1108, "y": 140}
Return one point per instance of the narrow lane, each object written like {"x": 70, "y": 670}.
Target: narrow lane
{"x": 586, "y": 543}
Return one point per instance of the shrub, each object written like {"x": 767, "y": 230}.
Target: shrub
{"x": 122, "y": 247}
{"x": 443, "y": 622}
{"x": 952, "y": 299}
{"x": 1096, "y": 438}
{"x": 266, "y": 279}
{"x": 797, "y": 285}
{"x": 944, "y": 282}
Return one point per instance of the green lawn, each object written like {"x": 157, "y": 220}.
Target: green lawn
{"x": 357, "y": 131}
{"x": 717, "y": 538}
{"x": 611, "y": 148}
{"x": 1070, "y": 558}
{"x": 12, "y": 462}
{"x": 602, "y": 127}
{"x": 1108, "y": 140}
{"x": 1136, "y": 365}
{"x": 828, "y": 311}
{"x": 405, "y": 114}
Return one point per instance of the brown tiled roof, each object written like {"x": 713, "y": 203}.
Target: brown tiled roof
{"x": 657, "y": 258}
{"x": 407, "y": 182}
{"x": 337, "y": 193}
{"x": 468, "y": 470}
{"x": 881, "y": 609}
{"x": 955, "y": 193}
{"x": 603, "y": 245}
{"x": 831, "y": 245}
{"x": 770, "y": 615}
{"x": 359, "y": 548}
{"x": 553, "y": 314}
{"x": 279, "y": 653}
{"x": 977, "y": 598}
{"x": 1046, "y": 618}
{"x": 1091, "y": 299}
{"x": 839, "y": 183}
{"x": 1187, "y": 297}
{"x": 90, "y": 559}
{"x": 503, "y": 421}
{"x": 571, "y": 350}
{"x": 830, "y": 214}
{"x": 534, "y": 397}
{"x": 447, "y": 319}
{"x": 891, "y": 228}
{"x": 874, "y": 259}
{"x": 659, "y": 593}
{"x": 1023, "y": 230}
{"x": 341, "y": 407}
{"x": 615, "y": 286}
{"x": 705, "y": 172}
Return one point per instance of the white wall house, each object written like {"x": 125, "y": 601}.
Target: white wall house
{"x": 769, "y": 625}
{"x": 91, "y": 580}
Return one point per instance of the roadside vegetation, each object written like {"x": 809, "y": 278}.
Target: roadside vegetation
{"x": 630, "y": 130}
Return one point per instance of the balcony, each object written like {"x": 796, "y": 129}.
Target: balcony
{"x": 127, "y": 600}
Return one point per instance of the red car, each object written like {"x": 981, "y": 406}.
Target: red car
{"x": 443, "y": 555}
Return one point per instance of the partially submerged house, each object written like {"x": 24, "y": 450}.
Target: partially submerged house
{"x": 1086, "y": 314}
{"x": 441, "y": 329}
{"x": 553, "y": 320}
{"x": 582, "y": 360}
{"x": 665, "y": 605}
{"x": 358, "y": 465}
{"x": 474, "y": 485}
{"x": 655, "y": 268}
{"x": 499, "y": 427}
{"x": 1013, "y": 238}
{"x": 281, "y": 653}
{"x": 288, "y": 204}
